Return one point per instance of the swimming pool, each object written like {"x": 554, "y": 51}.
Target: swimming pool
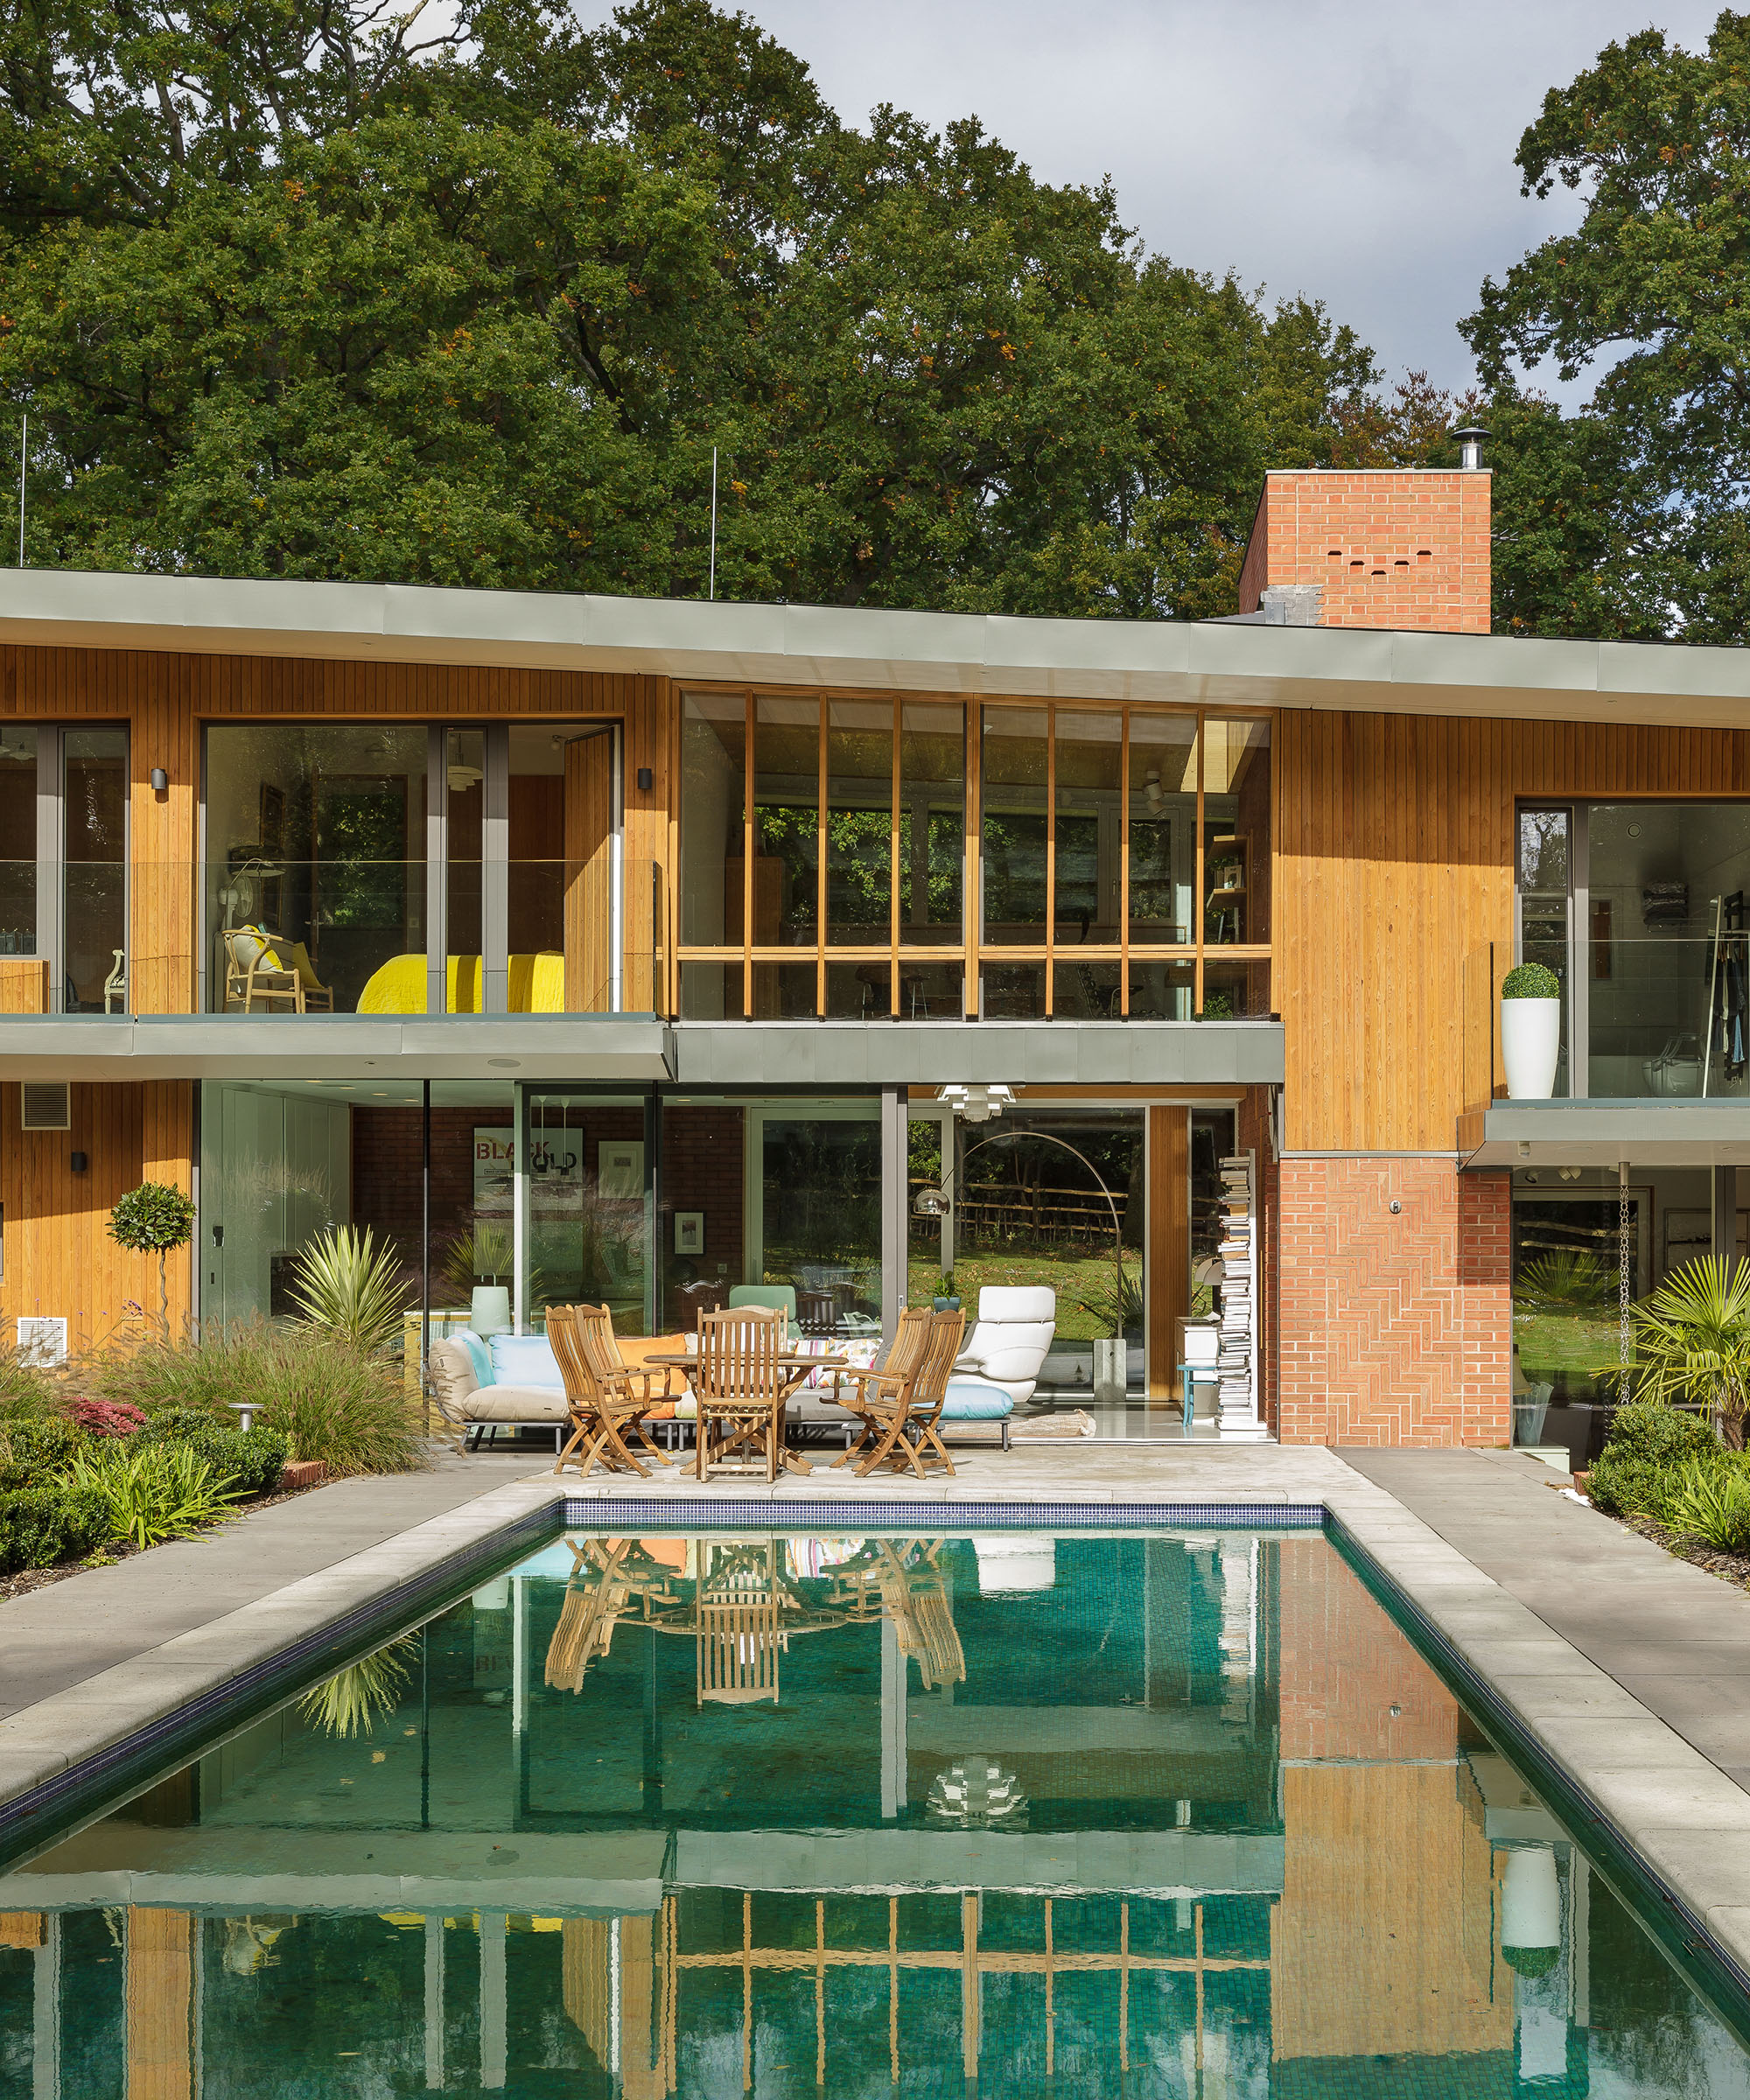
{"x": 1175, "y": 1813}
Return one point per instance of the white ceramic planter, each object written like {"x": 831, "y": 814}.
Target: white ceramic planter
{"x": 1531, "y": 1044}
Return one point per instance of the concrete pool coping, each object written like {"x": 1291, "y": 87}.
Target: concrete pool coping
{"x": 1637, "y": 1782}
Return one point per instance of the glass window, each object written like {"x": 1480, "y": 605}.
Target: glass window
{"x": 1667, "y": 947}
{"x": 1014, "y": 830}
{"x": 1235, "y": 832}
{"x": 861, "y": 859}
{"x": 315, "y": 847}
{"x": 1163, "y": 830}
{"x": 1545, "y": 879}
{"x": 713, "y": 762}
{"x": 786, "y": 827}
{"x": 932, "y": 822}
{"x": 18, "y": 840}
{"x": 95, "y": 835}
{"x": 590, "y": 1208}
{"x": 1088, "y": 823}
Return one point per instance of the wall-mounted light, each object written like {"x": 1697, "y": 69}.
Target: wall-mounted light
{"x": 647, "y": 779}
{"x": 79, "y": 1162}
{"x": 160, "y": 780}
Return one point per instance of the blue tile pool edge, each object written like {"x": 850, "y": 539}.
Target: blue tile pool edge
{"x": 1687, "y": 1939}
{"x": 851, "y": 1513}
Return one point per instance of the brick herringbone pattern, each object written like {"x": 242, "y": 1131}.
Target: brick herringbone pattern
{"x": 1395, "y": 1329}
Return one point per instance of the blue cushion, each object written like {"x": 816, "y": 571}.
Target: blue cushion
{"x": 525, "y": 1360}
{"x": 480, "y": 1354}
{"x": 972, "y": 1400}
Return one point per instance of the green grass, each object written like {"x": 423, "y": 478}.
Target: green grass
{"x": 1073, "y": 1276}
{"x": 1554, "y": 1343}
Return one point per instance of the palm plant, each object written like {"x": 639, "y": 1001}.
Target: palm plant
{"x": 345, "y": 1284}
{"x": 1711, "y": 1503}
{"x": 346, "y": 1704}
{"x": 1570, "y": 1280}
{"x": 1693, "y": 1341}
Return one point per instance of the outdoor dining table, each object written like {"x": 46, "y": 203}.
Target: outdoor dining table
{"x": 788, "y": 1360}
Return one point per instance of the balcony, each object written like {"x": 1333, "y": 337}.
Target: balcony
{"x": 1654, "y": 1060}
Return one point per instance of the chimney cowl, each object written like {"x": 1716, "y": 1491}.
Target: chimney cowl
{"x": 1470, "y": 447}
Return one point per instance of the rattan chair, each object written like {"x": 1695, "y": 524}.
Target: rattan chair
{"x": 739, "y": 1391}
{"x": 601, "y": 1407}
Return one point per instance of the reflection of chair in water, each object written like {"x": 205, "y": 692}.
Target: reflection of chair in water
{"x": 609, "y": 1577}
{"x": 587, "y": 1617}
{"x": 915, "y": 1598}
{"x": 740, "y": 1634}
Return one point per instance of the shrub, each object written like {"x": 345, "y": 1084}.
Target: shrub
{"x": 31, "y": 1451}
{"x": 1663, "y": 1436}
{"x": 155, "y": 1492}
{"x": 1622, "y": 1485}
{"x": 105, "y": 1418}
{"x": 41, "y": 1525}
{"x": 26, "y": 1390}
{"x": 1531, "y": 981}
{"x": 1710, "y": 1503}
{"x": 329, "y": 1400}
{"x": 252, "y": 1459}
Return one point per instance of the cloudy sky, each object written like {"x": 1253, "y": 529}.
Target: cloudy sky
{"x": 1361, "y": 155}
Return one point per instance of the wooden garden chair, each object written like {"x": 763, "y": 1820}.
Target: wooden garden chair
{"x": 907, "y": 1418}
{"x": 738, "y": 1388}
{"x": 601, "y": 1407}
{"x": 899, "y": 1362}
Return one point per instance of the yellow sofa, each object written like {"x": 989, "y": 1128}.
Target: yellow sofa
{"x": 537, "y": 984}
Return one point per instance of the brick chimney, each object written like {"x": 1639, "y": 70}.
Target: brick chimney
{"x": 1335, "y": 548}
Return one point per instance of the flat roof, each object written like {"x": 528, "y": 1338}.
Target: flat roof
{"x": 1206, "y": 663}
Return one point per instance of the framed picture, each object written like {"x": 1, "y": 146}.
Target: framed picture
{"x": 619, "y": 1168}
{"x": 689, "y": 1232}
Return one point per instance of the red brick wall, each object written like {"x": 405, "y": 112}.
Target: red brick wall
{"x": 1393, "y": 1329}
{"x": 703, "y": 1151}
{"x": 1390, "y": 549}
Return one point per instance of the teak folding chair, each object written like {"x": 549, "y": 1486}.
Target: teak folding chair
{"x": 901, "y": 1361}
{"x": 601, "y": 1404}
{"x": 907, "y": 1418}
{"x": 739, "y": 1389}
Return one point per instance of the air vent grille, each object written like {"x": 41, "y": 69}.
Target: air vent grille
{"x": 47, "y": 1105}
{"x": 42, "y": 1339}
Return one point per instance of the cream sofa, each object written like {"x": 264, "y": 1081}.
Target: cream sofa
{"x": 470, "y": 1408}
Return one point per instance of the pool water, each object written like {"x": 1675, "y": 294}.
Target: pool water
{"x": 1176, "y": 1814}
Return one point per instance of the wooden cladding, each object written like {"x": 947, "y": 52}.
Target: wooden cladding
{"x": 59, "y": 1260}
{"x": 1394, "y": 872}
{"x": 1169, "y": 1268}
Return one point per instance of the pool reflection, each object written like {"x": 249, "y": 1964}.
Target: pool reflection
{"x": 1182, "y": 1814}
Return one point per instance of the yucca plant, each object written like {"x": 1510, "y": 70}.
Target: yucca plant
{"x": 163, "y": 1491}
{"x": 1710, "y": 1503}
{"x": 1693, "y": 1341}
{"x": 367, "y": 1690}
{"x": 1119, "y": 1312}
{"x": 346, "y": 1284}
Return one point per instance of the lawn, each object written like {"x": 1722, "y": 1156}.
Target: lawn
{"x": 1073, "y": 1276}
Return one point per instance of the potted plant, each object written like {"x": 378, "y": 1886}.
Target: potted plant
{"x": 1530, "y": 1031}
{"x": 948, "y": 1299}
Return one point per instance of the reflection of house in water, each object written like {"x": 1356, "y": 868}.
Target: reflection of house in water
{"x": 1259, "y": 1841}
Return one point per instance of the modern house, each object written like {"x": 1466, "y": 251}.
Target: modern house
{"x": 600, "y": 946}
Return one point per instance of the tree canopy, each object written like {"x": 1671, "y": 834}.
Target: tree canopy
{"x": 1630, "y": 516}
{"x": 307, "y": 288}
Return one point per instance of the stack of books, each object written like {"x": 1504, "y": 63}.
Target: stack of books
{"x": 1236, "y": 1358}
